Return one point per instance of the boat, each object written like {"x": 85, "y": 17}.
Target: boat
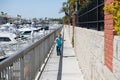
{"x": 7, "y": 38}
{"x": 29, "y": 32}
{"x": 9, "y": 28}
{"x": 7, "y": 44}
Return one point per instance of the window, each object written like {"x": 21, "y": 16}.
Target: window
{"x": 27, "y": 33}
{"x": 4, "y": 39}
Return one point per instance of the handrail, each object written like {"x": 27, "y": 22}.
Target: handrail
{"x": 28, "y": 60}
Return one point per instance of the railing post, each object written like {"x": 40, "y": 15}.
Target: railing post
{"x": 0, "y": 75}
{"x": 22, "y": 68}
{"x": 9, "y": 73}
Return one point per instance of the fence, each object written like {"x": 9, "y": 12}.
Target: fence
{"x": 25, "y": 64}
{"x": 92, "y": 16}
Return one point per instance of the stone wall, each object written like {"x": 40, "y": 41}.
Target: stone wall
{"x": 70, "y": 31}
{"x": 116, "y": 57}
{"x": 89, "y": 49}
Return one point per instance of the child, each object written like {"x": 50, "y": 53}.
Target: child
{"x": 58, "y": 42}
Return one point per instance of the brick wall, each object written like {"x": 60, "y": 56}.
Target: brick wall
{"x": 108, "y": 40}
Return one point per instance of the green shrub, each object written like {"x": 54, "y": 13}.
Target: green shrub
{"x": 114, "y": 9}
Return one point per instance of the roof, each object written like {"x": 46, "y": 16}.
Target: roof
{"x": 27, "y": 29}
{"x": 7, "y": 34}
{"x": 6, "y": 16}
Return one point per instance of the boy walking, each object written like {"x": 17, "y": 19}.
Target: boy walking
{"x": 58, "y": 42}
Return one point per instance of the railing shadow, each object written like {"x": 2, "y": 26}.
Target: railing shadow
{"x": 59, "y": 76}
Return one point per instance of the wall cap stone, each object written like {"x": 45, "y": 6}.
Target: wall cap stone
{"x": 117, "y": 37}
{"x": 100, "y": 33}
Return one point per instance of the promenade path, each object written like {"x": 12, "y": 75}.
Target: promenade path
{"x": 64, "y": 67}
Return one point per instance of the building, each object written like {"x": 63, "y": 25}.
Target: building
{"x": 4, "y": 19}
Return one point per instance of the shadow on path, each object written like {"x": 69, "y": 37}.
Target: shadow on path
{"x": 59, "y": 76}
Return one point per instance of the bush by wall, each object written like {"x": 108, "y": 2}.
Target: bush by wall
{"x": 114, "y": 9}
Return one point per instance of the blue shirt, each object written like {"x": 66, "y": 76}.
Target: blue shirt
{"x": 58, "y": 41}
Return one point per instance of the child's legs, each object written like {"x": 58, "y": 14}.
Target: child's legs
{"x": 58, "y": 49}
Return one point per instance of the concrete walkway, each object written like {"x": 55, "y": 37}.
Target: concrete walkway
{"x": 63, "y": 67}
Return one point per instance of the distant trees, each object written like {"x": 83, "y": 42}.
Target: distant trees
{"x": 2, "y": 13}
{"x": 56, "y": 19}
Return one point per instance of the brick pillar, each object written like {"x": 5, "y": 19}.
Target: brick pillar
{"x": 68, "y": 22}
{"x": 74, "y": 19}
{"x": 74, "y": 24}
{"x": 108, "y": 38}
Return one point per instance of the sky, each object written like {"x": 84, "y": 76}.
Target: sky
{"x": 32, "y": 8}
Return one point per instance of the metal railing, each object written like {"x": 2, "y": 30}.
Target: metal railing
{"x": 25, "y": 64}
{"x": 92, "y": 16}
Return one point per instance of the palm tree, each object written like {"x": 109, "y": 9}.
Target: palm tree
{"x": 83, "y": 3}
{"x": 2, "y": 13}
{"x": 70, "y": 6}
{"x": 18, "y": 16}
{"x": 65, "y": 8}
